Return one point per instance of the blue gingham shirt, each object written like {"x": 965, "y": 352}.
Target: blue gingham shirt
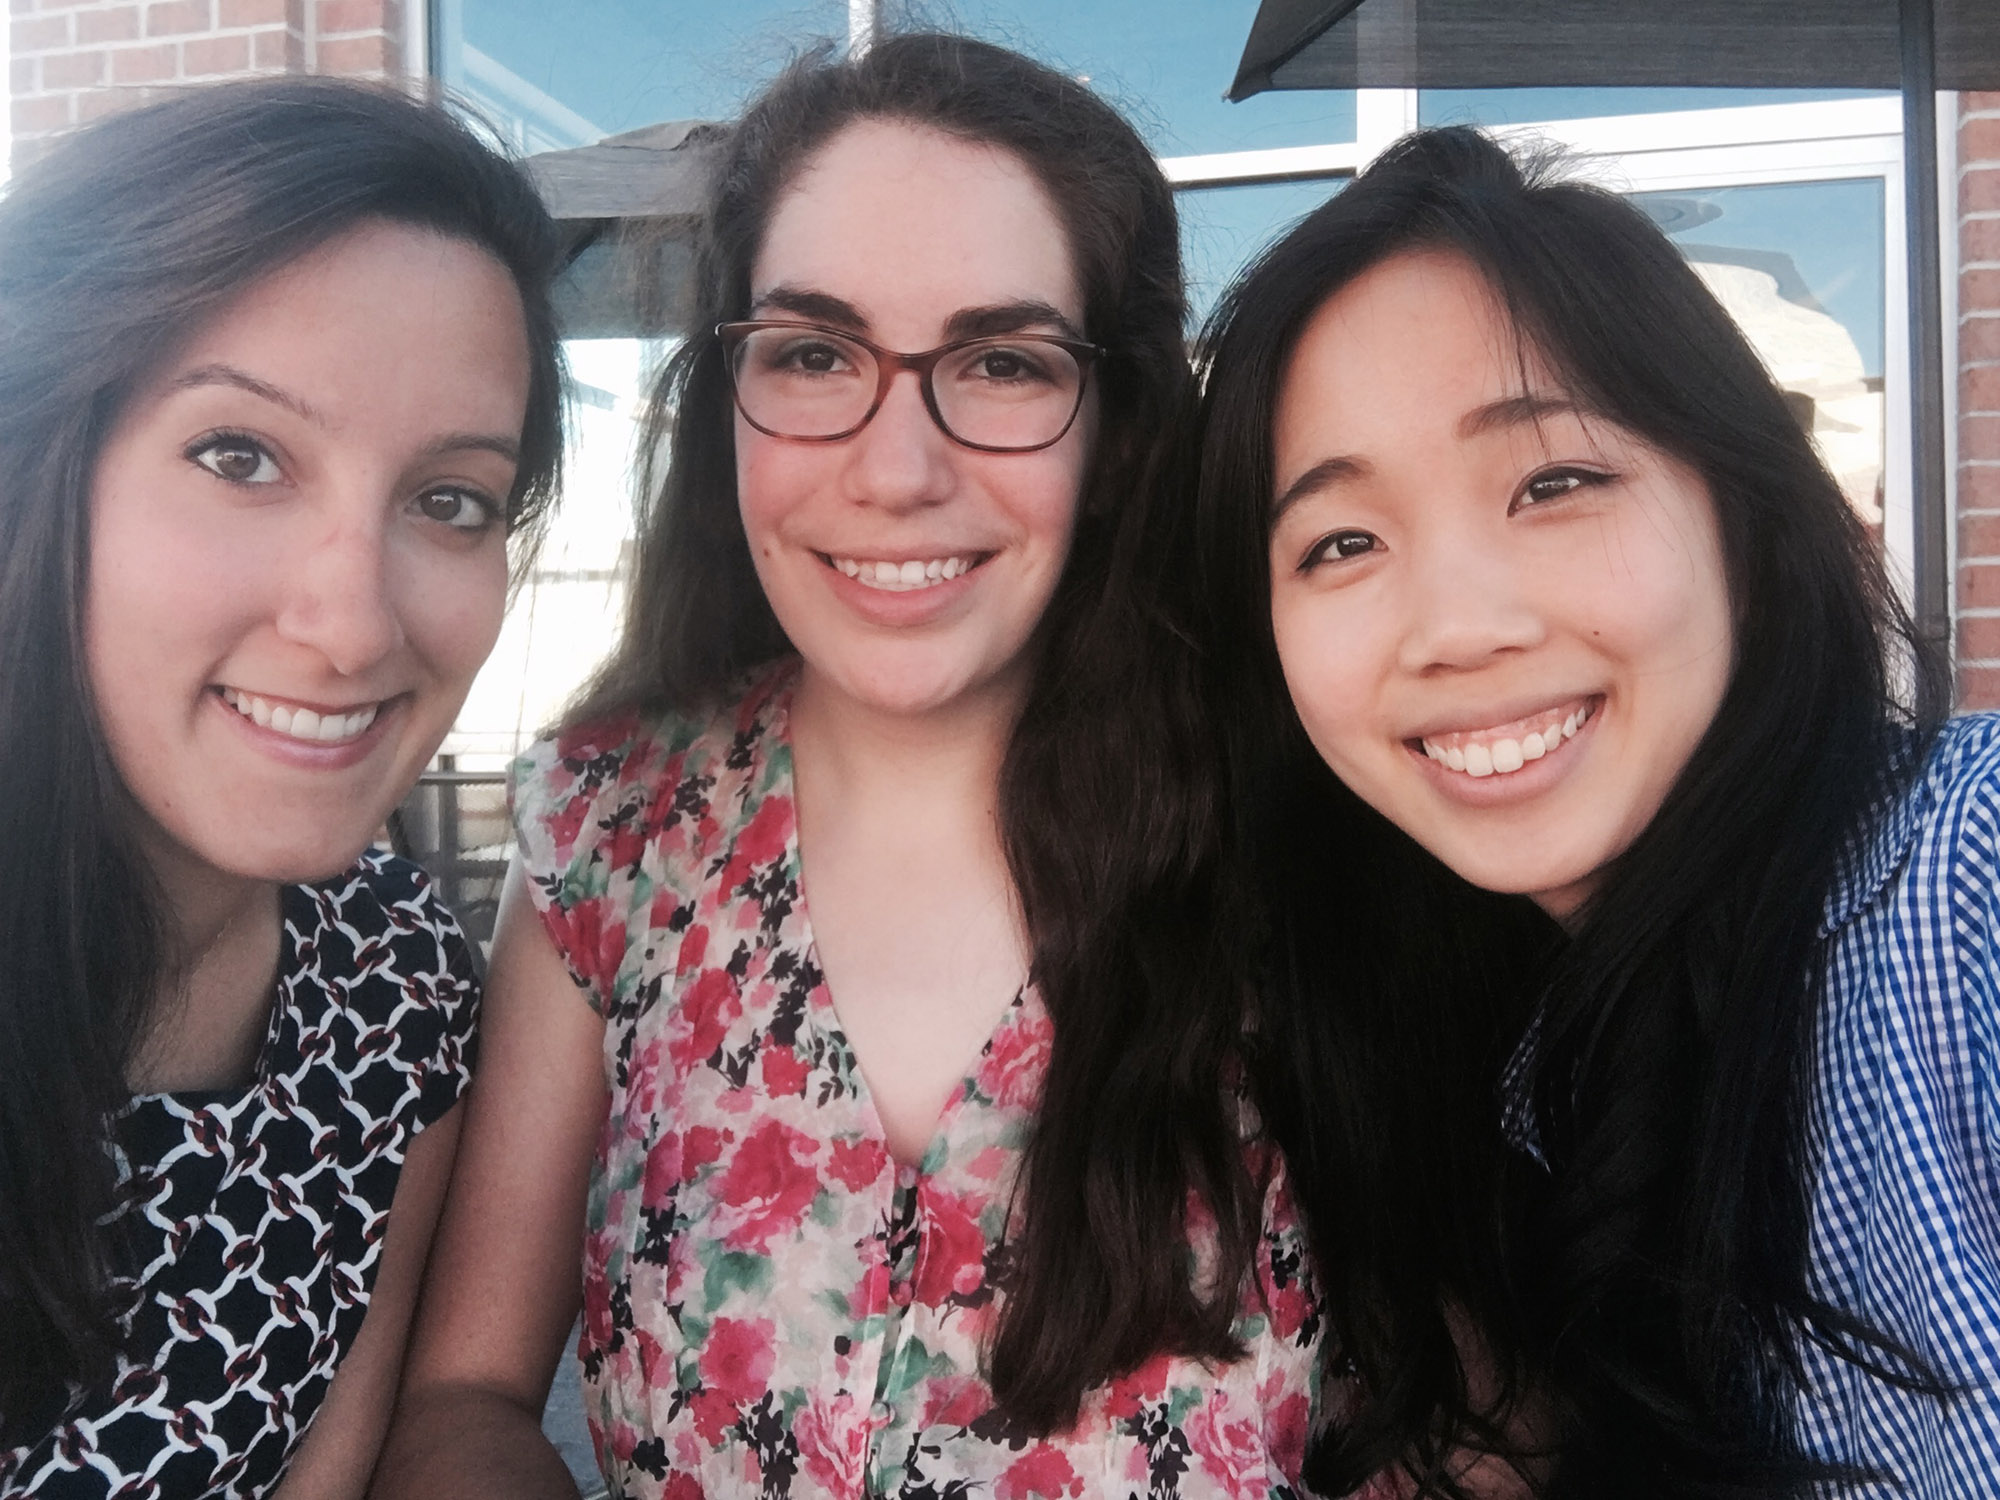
{"x": 1905, "y": 1129}
{"x": 1905, "y": 1120}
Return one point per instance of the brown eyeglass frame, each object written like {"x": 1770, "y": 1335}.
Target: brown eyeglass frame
{"x": 891, "y": 362}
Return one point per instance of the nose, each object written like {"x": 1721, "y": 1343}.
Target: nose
{"x": 901, "y": 461}
{"x": 1470, "y": 602}
{"x": 337, "y": 600}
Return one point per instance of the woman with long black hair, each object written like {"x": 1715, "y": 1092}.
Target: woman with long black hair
{"x": 1631, "y": 1001}
{"x": 278, "y": 379}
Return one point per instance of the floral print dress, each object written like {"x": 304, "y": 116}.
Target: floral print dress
{"x": 772, "y": 1306}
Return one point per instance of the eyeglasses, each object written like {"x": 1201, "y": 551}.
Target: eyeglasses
{"x": 1008, "y": 394}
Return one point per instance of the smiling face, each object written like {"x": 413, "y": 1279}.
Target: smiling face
{"x": 298, "y": 555}
{"x": 908, "y": 570}
{"x": 1504, "y": 622}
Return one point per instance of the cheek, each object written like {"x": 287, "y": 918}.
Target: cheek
{"x": 1327, "y": 677}
{"x": 451, "y": 609}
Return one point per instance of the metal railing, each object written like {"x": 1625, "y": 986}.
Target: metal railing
{"x": 454, "y": 823}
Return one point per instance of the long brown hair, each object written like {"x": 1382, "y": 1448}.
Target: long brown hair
{"x": 1109, "y": 811}
{"x": 113, "y": 247}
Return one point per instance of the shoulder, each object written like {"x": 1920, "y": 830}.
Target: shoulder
{"x": 1953, "y": 815}
{"x": 1934, "y": 837}
{"x": 376, "y": 944}
{"x": 575, "y": 790}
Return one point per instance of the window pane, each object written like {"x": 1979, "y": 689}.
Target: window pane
{"x": 564, "y": 75}
{"x": 1800, "y": 265}
{"x": 1525, "y": 106}
{"x": 1222, "y": 229}
{"x": 1167, "y": 64}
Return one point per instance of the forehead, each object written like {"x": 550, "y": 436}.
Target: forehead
{"x": 909, "y": 224}
{"x": 1420, "y": 335}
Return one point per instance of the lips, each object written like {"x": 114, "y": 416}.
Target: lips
{"x": 1503, "y": 749}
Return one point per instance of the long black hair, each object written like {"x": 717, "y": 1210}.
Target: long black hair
{"x": 1636, "y": 1307}
{"x": 1109, "y": 807}
{"x": 114, "y": 248}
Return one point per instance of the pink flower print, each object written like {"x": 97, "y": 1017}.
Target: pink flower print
{"x": 1126, "y": 1394}
{"x": 694, "y": 942}
{"x": 955, "y": 1401}
{"x": 641, "y": 1097}
{"x": 769, "y": 1183}
{"x": 784, "y": 1070}
{"x": 663, "y": 1172}
{"x": 951, "y": 1259}
{"x": 738, "y": 1359}
{"x": 703, "y": 1146}
{"x": 714, "y": 1414}
{"x": 1285, "y": 1421}
{"x": 1228, "y": 1447}
{"x": 1012, "y": 1071}
{"x": 682, "y": 1486}
{"x": 702, "y": 1019}
{"x": 833, "y": 1443}
{"x": 1041, "y": 1472}
{"x": 596, "y": 1299}
{"x": 857, "y": 1163}
{"x": 761, "y": 841}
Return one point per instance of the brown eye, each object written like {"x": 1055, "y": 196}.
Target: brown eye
{"x": 462, "y": 510}
{"x": 1338, "y": 546}
{"x": 240, "y": 460}
{"x": 1553, "y": 484}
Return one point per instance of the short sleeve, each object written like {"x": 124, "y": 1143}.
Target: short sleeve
{"x": 404, "y": 1030}
{"x": 582, "y": 805}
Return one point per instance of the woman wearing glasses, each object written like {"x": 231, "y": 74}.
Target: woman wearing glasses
{"x": 892, "y": 1127}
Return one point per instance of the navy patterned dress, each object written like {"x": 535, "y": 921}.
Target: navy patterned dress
{"x": 252, "y": 1218}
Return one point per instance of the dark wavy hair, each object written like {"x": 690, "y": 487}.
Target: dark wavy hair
{"x": 114, "y": 248}
{"x": 1109, "y": 807}
{"x": 1638, "y": 1306}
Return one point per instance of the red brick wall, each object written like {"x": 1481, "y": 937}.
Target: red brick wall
{"x": 1979, "y": 402}
{"x": 73, "y": 60}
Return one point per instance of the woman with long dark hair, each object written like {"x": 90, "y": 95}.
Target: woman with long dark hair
{"x": 278, "y": 377}
{"x": 1630, "y": 1001}
{"x": 940, "y": 1188}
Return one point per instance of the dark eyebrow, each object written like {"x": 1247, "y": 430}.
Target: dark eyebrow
{"x": 1515, "y": 411}
{"x": 474, "y": 442}
{"x": 966, "y": 323}
{"x": 817, "y": 307}
{"x": 1318, "y": 477}
{"x": 220, "y": 374}
{"x": 1006, "y": 317}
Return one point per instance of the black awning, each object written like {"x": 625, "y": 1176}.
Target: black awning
{"x": 1345, "y": 44}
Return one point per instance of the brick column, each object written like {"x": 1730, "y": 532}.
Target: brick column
{"x": 1979, "y": 402}
{"x": 74, "y": 60}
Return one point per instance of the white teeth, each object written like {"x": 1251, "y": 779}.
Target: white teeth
{"x": 301, "y": 723}
{"x": 898, "y": 577}
{"x": 1502, "y": 756}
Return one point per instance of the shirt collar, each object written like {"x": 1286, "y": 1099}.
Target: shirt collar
{"x": 1882, "y": 842}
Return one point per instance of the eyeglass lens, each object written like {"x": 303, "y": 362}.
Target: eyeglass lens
{"x": 995, "y": 393}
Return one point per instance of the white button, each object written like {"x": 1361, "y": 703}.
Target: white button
{"x": 882, "y": 1413}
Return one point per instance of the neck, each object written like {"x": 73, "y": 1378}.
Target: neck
{"x": 211, "y": 999}
{"x": 859, "y": 751}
